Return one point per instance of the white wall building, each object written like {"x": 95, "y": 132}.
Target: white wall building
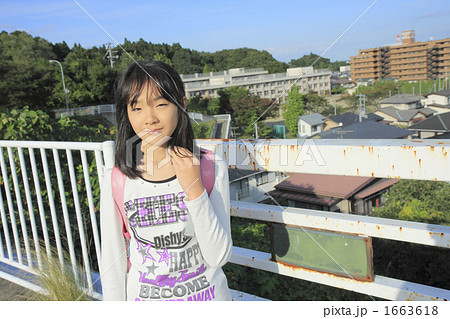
{"x": 311, "y": 124}
{"x": 259, "y": 82}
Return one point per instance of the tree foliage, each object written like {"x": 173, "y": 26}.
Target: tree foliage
{"x": 419, "y": 201}
{"x": 293, "y": 109}
{"x": 317, "y": 62}
{"x": 245, "y": 109}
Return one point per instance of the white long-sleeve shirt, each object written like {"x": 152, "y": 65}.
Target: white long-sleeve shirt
{"x": 167, "y": 262}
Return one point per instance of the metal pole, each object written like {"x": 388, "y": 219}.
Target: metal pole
{"x": 64, "y": 84}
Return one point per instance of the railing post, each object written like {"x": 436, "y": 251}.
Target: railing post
{"x": 108, "y": 153}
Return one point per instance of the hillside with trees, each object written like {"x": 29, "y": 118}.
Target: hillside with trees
{"x": 27, "y": 78}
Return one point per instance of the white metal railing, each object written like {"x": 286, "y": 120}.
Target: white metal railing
{"x": 52, "y": 194}
{"x": 86, "y": 110}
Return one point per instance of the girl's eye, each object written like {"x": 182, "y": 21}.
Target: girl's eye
{"x": 162, "y": 104}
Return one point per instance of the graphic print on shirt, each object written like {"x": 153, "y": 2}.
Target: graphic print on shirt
{"x": 186, "y": 278}
{"x": 154, "y": 211}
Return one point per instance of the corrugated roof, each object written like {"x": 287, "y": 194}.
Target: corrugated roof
{"x": 324, "y": 185}
{"x": 377, "y": 187}
{"x": 312, "y": 119}
{"x": 402, "y": 98}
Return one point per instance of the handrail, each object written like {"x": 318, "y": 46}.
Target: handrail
{"x": 411, "y": 159}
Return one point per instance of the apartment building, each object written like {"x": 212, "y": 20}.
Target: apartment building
{"x": 407, "y": 60}
{"x": 259, "y": 82}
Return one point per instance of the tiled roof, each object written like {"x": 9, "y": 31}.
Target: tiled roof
{"x": 401, "y": 115}
{"x": 366, "y": 129}
{"x": 312, "y": 119}
{"x": 324, "y": 185}
{"x": 439, "y": 122}
{"x": 402, "y": 98}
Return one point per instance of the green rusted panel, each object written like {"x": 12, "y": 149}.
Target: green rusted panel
{"x": 332, "y": 252}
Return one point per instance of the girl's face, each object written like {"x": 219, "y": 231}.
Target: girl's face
{"x": 152, "y": 117}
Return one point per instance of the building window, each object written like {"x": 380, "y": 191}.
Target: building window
{"x": 262, "y": 178}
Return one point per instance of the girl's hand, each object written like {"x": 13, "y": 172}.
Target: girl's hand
{"x": 187, "y": 169}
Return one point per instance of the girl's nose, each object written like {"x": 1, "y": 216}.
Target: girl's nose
{"x": 151, "y": 117}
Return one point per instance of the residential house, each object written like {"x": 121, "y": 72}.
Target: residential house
{"x": 346, "y": 84}
{"x": 252, "y": 186}
{"x": 366, "y": 130}
{"x": 335, "y": 193}
{"x": 439, "y": 108}
{"x": 393, "y": 115}
{"x": 402, "y": 101}
{"x": 345, "y": 119}
{"x": 440, "y": 98}
{"x": 311, "y": 124}
{"x": 432, "y": 127}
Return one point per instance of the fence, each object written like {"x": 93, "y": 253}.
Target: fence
{"x": 50, "y": 190}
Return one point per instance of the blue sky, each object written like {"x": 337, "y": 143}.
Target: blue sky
{"x": 287, "y": 29}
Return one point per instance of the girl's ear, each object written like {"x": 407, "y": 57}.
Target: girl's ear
{"x": 185, "y": 103}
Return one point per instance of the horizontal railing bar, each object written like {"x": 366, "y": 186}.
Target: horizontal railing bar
{"x": 419, "y": 233}
{"x": 382, "y": 287}
{"x": 91, "y": 146}
{"x": 406, "y": 159}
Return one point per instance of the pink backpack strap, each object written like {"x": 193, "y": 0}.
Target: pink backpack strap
{"x": 118, "y": 185}
{"x": 207, "y": 170}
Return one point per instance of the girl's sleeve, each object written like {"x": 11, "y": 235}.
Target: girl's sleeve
{"x": 211, "y": 219}
{"x": 113, "y": 266}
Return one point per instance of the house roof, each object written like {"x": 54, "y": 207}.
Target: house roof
{"x": 401, "y": 115}
{"x": 374, "y": 117}
{"x": 346, "y": 118}
{"x": 426, "y": 111}
{"x": 439, "y": 122}
{"x": 324, "y": 185}
{"x": 309, "y": 198}
{"x": 443, "y": 93}
{"x": 376, "y": 187}
{"x": 402, "y": 98}
{"x": 366, "y": 129}
{"x": 312, "y": 119}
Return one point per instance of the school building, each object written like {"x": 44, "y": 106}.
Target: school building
{"x": 407, "y": 60}
{"x": 259, "y": 82}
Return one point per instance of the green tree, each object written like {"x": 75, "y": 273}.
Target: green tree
{"x": 162, "y": 58}
{"x": 419, "y": 201}
{"x": 25, "y": 78}
{"x": 293, "y": 109}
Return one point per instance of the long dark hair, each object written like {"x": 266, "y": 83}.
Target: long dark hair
{"x": 130, "y": 85}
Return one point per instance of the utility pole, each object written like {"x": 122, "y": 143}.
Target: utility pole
{"x": 256, "y": 130}
{"x": 361, "y": 108}
{"x": 110, "y": 54}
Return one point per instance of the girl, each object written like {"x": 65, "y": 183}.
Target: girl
{"x": 163, "y": 198}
